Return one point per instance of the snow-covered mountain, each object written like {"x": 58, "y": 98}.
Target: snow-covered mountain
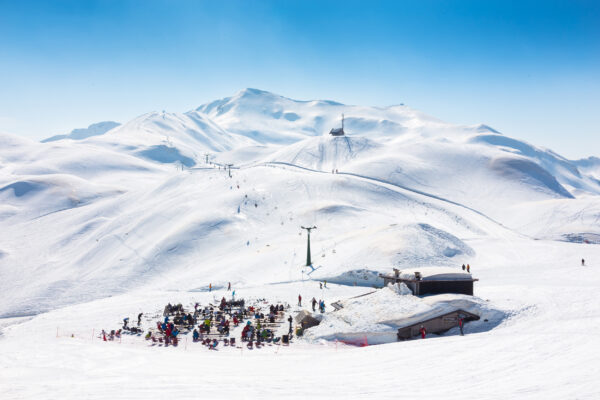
{"x": 116, "y": 208}
{"x": 96, "y": 129}
{"x": 116, "y": 220}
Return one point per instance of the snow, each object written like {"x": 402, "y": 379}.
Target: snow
{"x": 365, "y": 314}
{"x": 96, "y": 129}
{"x": 111, "y": 225}
{"x": 435, "y": 273}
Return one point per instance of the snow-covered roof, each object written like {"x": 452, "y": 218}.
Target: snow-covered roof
{"x": 437, "y": 311}
{"x": 436, "y": 273}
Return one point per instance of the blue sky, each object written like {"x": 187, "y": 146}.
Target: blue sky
{"x": 528, "y": 69}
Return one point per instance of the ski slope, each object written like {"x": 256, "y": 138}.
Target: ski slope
{"x": 103, "y": 224}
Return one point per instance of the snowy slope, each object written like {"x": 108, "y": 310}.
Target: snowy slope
{"x": 423, "y": 185}
{"x": 129, "y": 219}
{"x": 590, "y": 166}
{"x": 170, "y": 138}
{"x": 96, "y": 129}
{"x": 270, "y": 118}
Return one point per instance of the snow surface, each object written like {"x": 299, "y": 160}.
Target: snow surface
{"x": 96, "y": 129}
{"x": 97, "y": 229}
{"x": 435, "y": 273}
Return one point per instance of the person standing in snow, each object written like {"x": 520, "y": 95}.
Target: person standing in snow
{"x": 210, "y": 287}
{"x": 463, "y": 267}
{"x": 140, "y": 318}
{"x": 320, "y": 285}
{"x": 423, "y": 332}
{"x": 468, "y": 268}
{"x": 290, "y": 319}
{"x": 229, "y": 286}
{"x": 324, "y": 284}
{"x": 314, "y": 304}
{"x": 299, "y": 301}
{"x": 582, "y": 262}
{"x": 461, "y": 322}
{"x": 125, "y": 322}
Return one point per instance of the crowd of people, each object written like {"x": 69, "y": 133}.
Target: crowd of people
{"x": 211, "y": 324}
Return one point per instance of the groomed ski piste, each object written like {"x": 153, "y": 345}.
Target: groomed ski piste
{"x": 106, "y": 223}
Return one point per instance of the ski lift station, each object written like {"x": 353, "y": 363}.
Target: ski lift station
{"x": 338, "y": 131}
{"x": 432, "y": 280}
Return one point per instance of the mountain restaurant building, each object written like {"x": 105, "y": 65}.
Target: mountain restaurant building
{"x": 433, "y": 280}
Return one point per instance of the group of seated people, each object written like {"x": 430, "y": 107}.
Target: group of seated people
{"x": 171, "y": 309}
{"x": 221, "y": 318}
{"x": 168, "y": 328}
{"x": 184, "y": 319}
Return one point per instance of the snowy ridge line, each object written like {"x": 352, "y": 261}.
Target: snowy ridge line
{"x": 385, "y": 184}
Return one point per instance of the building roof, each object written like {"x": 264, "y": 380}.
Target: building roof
{"x": 307, "y": 317}
{"x": 422, "y": 317}
{"x": 433, "y": 274}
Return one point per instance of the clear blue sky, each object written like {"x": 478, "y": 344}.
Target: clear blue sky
{"x": 529, "y": 69}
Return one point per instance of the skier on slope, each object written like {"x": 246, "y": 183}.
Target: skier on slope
{"x": 314, "y": 304}
{"x": 461, "y": 322}
{"x": 582, "y": 262}
{"x": 463, "y": 267}
{"x": 140, "y": 318}
{"x": 423, "y": 332}
{"x": 299, "y": 300}
{"x": 290, "y": 319}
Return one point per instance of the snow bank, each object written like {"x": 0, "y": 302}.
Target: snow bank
{"x": 358, "y": 277}
{"x": 364, "y": 314}
{"x": 436, "y": 273}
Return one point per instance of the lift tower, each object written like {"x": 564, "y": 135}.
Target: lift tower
{"x": 308, "y": 261}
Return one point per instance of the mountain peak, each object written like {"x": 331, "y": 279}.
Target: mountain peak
{"x": 99, "y": 128}
{"x": 253, "y": 92}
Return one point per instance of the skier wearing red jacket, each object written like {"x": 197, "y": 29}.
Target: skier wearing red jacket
{"x": 423, "y": 332}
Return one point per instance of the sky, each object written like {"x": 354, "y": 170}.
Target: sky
{"x": 530, "y": 69}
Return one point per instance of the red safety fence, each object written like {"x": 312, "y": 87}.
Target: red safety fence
{"x": 359, "y": 342}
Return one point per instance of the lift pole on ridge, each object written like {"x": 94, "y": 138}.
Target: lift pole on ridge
{"x": 308, "y": 260}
